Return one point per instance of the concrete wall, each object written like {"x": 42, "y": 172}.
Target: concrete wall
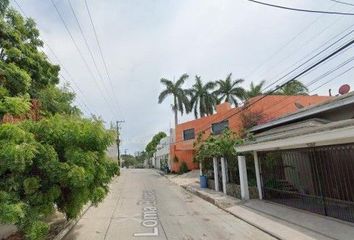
{"x": 112, "y": 151}
{"x": 234, "y": 190}
{"x": 162, "y": 152}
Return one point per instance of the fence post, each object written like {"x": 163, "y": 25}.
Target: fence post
{"x": 216, "y": 174}
{"x": 243, "y": 177}
{"x": 223, "y": 174}
{"x": 258, "y": 175}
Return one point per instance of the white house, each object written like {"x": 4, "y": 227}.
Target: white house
{"x": 306, "y": 159}
{"x": 162, "y": 156}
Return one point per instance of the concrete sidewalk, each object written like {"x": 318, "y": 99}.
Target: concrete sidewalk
{"x": 280, "y": 221}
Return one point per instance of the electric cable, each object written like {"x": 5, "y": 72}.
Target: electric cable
{"x": 324, "y": 59}
{"x": 344, "y": 3}
{"x": 99, "y": 45}
{"x": 300, "y": 9}
{"x": 57, "y": 59}
{"x": 83, "y": 58}
{"x": 91, "y": 54}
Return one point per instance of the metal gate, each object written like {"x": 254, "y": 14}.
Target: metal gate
{"x": 317, "y": 179}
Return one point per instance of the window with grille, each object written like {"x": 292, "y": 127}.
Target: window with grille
{"x": 219, "y": 127}
{"x": 188, "y": 134}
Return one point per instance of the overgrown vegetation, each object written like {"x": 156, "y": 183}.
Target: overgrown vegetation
{"x": 151, "y": 146}
{"x": 183, "y": 168}
{"x": 216, "y": 146}
{"x": 56, "y": 163}
{"x": 134, "y": 161}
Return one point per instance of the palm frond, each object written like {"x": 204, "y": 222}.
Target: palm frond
{"x": 181, "y": 80}
{"x": 163, "y": 95}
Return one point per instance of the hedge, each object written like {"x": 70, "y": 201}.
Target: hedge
{"x": 58, "y": 163}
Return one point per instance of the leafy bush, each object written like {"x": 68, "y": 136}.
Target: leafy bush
{"x": 57, "y": 100}
{"x": 216, "y": 146}
{"x": 57, "y": 162}
{"x": 183, "y": 168}
{"x": 151, "y": 146}
{"x": 16, "y": 106}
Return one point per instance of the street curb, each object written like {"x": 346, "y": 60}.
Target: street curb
{"x": 71, "y": 224}
{"x": 215, "y": 203}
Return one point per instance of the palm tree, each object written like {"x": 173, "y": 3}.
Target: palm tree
{"x": 202, "y": 101}
{"x": 180, "y": 99}
{"x": 229, "y": 91}
{"x": 254, "y": 90}
{"x": 294, "y": 87}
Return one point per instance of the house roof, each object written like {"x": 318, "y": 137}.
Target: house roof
{"x": 309, "y": 111}
{"x": 302, "y": 134}
{"x": 272, "y": 105}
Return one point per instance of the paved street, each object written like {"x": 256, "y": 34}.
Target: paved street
{"x": 144, "y": 205}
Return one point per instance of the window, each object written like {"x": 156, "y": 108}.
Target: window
{"x": 188, "y": 134}
{"x": 219, "y": 127}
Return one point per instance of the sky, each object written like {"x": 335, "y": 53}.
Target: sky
{"x": 143, "y": 41}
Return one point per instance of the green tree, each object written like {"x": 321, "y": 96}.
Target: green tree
{"x": 180, "y": 101}
{"x": 202, "y": 100}
{"x": 128, "y": 160}
{"x": 3, "y": 5}
{"x": 254, "y": 90}
{"x": 23, "y": 66}
{"x": 151, "y": 146}
{"x": 16, "y": 106}
{"x": 57, "y": 100}
{"x": 25, "y": 72}
{"x": 140, "y": 158}
{"x": 222, "y": 145}
{"x": 58, "y": 162}
{"x": 229, "y": 90}
{"x": 294, "y": 87}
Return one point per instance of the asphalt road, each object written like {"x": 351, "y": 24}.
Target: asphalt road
{"x": 145, "y": 205}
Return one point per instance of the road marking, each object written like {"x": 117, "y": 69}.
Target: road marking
{"x": 150, "y": 218}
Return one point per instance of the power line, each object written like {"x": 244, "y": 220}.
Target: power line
{"x": 351, "y": 68}
{"x": 57, "y": 59}
{"x": 347, "y": 45}
{"x": 313, "y": 66}
{"x": 69, "y": 74}
{"x": 99, "y": 45}
{"x": 285, "y": 45}
{"x": 323, "y": 75}
{"x": 343, "y": 64}
{"x": 300, "y": 9}
{"x": 82, "y": 57}
{"x": 90, "y": 52}
{"x": 318, "y": 87}
{"x": 317, "y": 79}
{"x": 307, "y": 61}
{"x": 341, "y": 2}
{"x": 83, "y": 102}
{"x": 303, "y": 44}
{"x": 319, "y": 47}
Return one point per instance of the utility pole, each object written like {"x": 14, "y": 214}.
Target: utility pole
{"x": 118, "y": 140}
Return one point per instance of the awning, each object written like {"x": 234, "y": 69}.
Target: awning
{"x": 330, "y": 134}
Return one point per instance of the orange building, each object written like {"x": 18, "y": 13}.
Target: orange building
{"x": 257, "y": 109}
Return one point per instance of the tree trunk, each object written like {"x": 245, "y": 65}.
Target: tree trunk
{"x": 176, "y": 112}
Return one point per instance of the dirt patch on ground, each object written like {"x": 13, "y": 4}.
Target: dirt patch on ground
{"x": 188, "y": 178}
